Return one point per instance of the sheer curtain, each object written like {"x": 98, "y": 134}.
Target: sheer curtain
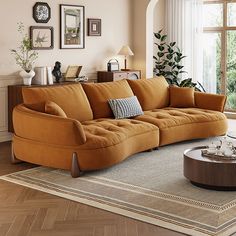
{"x": 184, "y": 25}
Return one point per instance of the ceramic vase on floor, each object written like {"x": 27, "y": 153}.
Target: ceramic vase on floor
{"x": 27, "y": 76}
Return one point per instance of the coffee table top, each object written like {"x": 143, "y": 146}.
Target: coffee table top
{"x": 231, "y": 134}
{"x": 196, "y": 154}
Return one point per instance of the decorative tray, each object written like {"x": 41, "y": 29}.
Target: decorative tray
{"x": 205, "y": 153}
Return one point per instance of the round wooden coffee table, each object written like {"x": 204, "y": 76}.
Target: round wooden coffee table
{"x": 209, "y": 173}
{"x": 232, "y": 134}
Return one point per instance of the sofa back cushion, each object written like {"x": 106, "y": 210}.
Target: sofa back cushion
{"x": 182, "y": 97}
{"x": 99, "y": 94}
{"x": 71, "y": 98}
{"x": 151, "y": 93}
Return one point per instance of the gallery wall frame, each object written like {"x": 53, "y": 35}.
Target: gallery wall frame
{"x": 41, "y": 37}
{"x": 72, "y": 32}
{"x": 94, "y": 27}
{"x": 41, "y": 12}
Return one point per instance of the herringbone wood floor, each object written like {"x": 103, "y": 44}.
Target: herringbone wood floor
{"x": 25, "y": 212}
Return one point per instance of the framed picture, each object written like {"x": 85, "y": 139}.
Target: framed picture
{"x": 94, "y": 27}
{"x": 72, "y": 72}
{"x": 41, "y": 37}
{"x": 41, "y": 12}
{"x": 72, "y": 26}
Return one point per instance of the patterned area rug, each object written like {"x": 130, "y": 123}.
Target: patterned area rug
{"x": 147, "y": 186}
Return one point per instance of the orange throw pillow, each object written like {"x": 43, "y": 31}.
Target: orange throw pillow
{"x": 53, "y": 109}
{"x": 181, "y": 97}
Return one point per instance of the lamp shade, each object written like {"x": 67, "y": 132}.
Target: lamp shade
{"x": 125, "y": 51}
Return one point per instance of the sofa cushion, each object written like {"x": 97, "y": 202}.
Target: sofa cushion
{"x": 53, "y": 109}
{"x": 98, "y": 95}
{"x": 178, "y": 124}
{"x": 151, "y": 93}
{"x": 215, "y": 102}
{"x": 181, "y": 97}
{"x": 125, "y": 107}
{"x": 71, "y": 98}
{"x": 103, "y": 133}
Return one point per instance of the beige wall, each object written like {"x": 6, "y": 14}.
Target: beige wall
{"x": 159, "y": 16}
{"x": 116, "y": 31}
{"x": 139, "y": 29}
{"x": 139, "y": 34}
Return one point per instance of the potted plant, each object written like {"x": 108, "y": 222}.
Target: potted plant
{"x": 168, "y": 63}
{"x": 25, "y": 56}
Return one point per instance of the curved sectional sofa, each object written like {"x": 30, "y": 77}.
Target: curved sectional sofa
{"x": 87, "y": 137}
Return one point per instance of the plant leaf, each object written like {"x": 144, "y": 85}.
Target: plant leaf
{"x": 163, "y": 37}
{"x": 169, "y": 56}
{"x": 157, "y": 35}
{"x": 161, "y": 48}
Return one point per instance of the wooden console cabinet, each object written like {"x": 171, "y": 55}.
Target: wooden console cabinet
{"x": 107, "y": 76}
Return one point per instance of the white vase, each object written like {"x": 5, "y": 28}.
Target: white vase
{"x": 27, "y": 76}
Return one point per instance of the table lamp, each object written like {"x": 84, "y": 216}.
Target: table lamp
{"x": 125, "y": 51}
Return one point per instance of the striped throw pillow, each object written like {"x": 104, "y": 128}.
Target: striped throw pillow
{"x": 125, "y": 107}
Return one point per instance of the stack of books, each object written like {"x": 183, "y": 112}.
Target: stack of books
{"x": 43, "y": 75}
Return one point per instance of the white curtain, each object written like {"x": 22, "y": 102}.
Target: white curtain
{"x": 184, "y": 26}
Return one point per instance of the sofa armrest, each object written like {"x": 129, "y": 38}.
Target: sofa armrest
{"x": 209, "y": 101}
{"x": 47, "y": 128}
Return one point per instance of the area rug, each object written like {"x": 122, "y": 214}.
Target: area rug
{"x": 147, "y": 186}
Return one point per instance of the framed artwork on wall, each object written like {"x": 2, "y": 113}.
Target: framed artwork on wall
{"x": 41, "y": 37}
{"x": 71, "y": 26}
{"x": 41, "y": 12}
{"x": 94, "y": 27}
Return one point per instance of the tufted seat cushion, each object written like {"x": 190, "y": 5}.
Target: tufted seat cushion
{"x": 177, "y": 124}
{"x": 110, "y": 141}
{"x": 102, "y": 133}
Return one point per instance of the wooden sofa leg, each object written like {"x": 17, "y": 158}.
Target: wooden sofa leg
{"x": 149, "y": 150}
{"x": 14, "y": 160}
{"x": 75, "y": 170}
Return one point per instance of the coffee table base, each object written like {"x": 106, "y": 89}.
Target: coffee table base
{"x": 209, "y": 173}
{"x": 210, "y": 187}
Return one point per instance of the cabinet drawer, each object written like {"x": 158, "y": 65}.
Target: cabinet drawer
{"x": 120, "y": 76}
{"x": 133, "y": 75}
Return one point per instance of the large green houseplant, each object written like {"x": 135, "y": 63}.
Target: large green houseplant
{"x": 24, "y": 55}
{"x": 168, "y": 63}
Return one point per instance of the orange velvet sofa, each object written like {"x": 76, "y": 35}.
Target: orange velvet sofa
{"x": 84, "y": 135}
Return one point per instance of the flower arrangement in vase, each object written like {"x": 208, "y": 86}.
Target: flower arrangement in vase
{"x": 24, "y": 55}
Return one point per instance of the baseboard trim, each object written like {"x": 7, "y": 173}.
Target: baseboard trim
{"x": 5, "y": 136}
{"x": 230, "y": 115}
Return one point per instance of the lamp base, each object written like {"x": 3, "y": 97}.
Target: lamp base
{"x": 125, "y": 69}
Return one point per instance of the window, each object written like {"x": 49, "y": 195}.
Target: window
{"x": 219, "y": 58}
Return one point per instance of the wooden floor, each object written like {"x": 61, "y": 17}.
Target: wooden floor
{"x": 25, "y": 211}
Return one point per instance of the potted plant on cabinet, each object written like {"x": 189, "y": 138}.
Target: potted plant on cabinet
{"x": 25, "y": 57}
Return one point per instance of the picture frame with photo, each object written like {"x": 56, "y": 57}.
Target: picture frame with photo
{"x": 94, "y": 27}
{"x": 41, "y": 37}
{"x": 72, "y": 73}
{"x": 41, "y": 12}
{"x": 72, "y": 26}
